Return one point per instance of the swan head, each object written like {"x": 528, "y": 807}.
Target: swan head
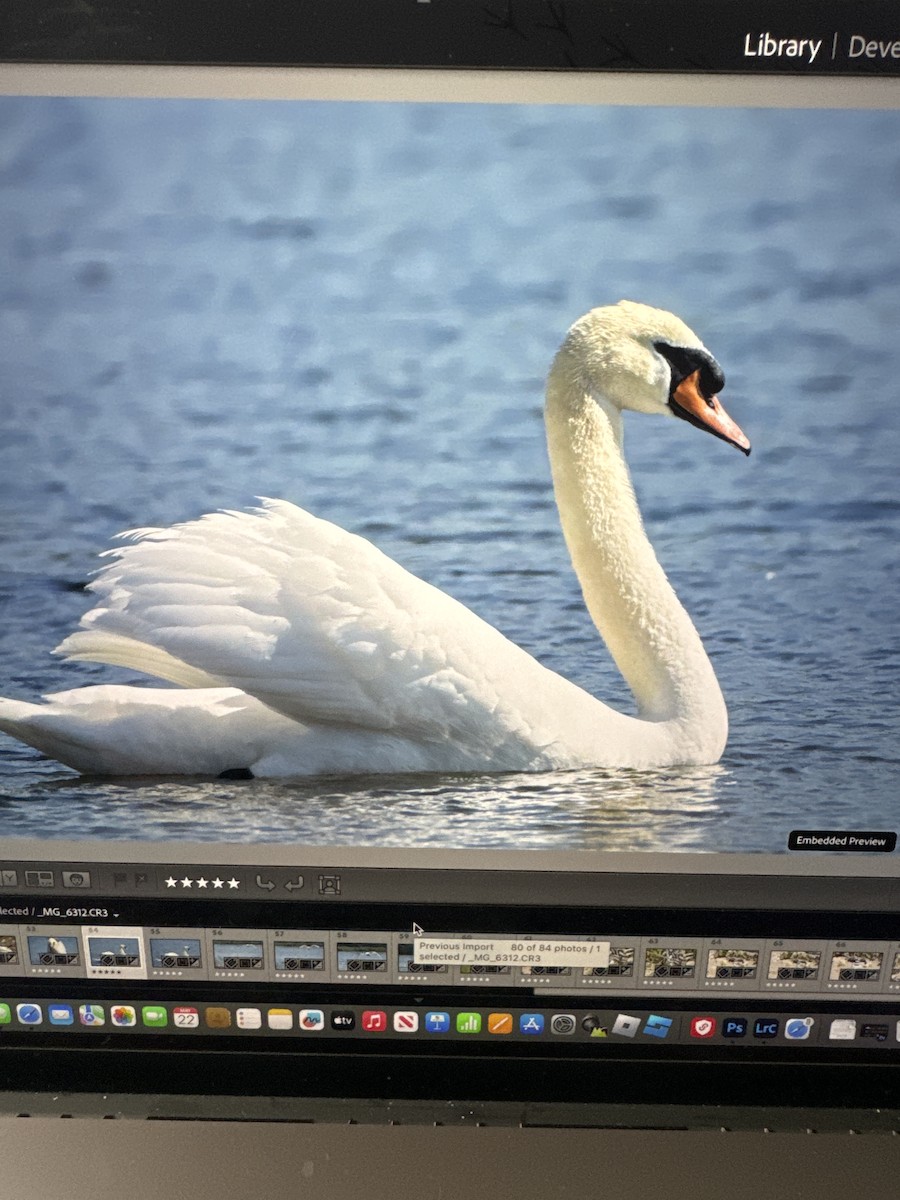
{"x": 645, "y": 359}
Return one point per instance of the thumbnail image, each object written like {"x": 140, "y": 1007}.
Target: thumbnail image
{"x": 361, "y": 957}
{"x": 175, "y": 952}
{"x": 732, "y": 964}
{"x": 299, "y": 956}
{"x": 114, "y": 952}
{"x": 669, "y": 962}
{"x": 621, "y": 962}
{"x": 229, "y": 956}
{"x": 407, "y": 965}
{"x": 341, "y": 391}
{"x": 794, "y": 964}
{"x": 895, "y": 969}
{"x": 52, "y": 951}
{"x": 9, "y": 950}
{"x": 856, "y": 965}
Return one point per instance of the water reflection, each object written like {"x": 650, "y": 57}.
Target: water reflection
{"x": 577, "y": 810}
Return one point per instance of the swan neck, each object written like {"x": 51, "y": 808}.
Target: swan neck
{"x": 628, "y": 596}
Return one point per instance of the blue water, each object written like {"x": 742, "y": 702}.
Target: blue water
{"x": 353, "y": 307}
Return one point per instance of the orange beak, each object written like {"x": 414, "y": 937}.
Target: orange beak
{"x": 690, "y": 404}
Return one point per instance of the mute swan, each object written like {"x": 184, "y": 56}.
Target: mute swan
{"x": 300, "y": 649}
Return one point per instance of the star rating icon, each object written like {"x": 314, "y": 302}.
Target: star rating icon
{"x": 202, "y": 882}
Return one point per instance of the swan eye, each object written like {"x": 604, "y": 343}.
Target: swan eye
{"x": 684, "y": 361}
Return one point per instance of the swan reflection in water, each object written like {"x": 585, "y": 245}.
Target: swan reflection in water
{"x": 300, "y": 649}
{"x": 678, "y": 808}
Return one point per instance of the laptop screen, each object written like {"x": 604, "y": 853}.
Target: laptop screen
{"x": 443, "y": 681}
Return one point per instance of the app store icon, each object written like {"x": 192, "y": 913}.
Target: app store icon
{"x": 531, "y": 1024}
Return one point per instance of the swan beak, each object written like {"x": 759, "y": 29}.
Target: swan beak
{"x": 688, "y": 402}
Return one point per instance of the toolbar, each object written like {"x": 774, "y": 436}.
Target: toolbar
{"x": 150, "y": 879}
{"x": 808, "y": 887}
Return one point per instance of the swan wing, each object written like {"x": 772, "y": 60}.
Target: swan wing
{"x": 314, "y": 622}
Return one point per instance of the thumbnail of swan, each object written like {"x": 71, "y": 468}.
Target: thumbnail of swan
{"x": 300, "y": 649}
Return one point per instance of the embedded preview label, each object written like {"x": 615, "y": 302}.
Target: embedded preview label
{"x": 860, "y": 841}
{"x": 523, "y": 951}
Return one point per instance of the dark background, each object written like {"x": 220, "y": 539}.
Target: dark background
{"x": 678, "y": 35}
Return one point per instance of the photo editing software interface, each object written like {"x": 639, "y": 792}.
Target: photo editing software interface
{"x": 441, "y": 686}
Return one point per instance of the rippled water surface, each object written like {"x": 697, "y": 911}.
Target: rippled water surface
{"x": 353, "y": 307}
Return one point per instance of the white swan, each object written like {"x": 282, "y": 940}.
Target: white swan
{"x": 300, "y": 649}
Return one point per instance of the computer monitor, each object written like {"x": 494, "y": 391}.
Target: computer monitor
{"x": 460, "y": 748}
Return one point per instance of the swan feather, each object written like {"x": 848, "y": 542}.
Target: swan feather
{"x": 315, "y": 623}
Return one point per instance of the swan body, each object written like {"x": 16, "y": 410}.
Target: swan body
{"x": 301, "y": 649}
